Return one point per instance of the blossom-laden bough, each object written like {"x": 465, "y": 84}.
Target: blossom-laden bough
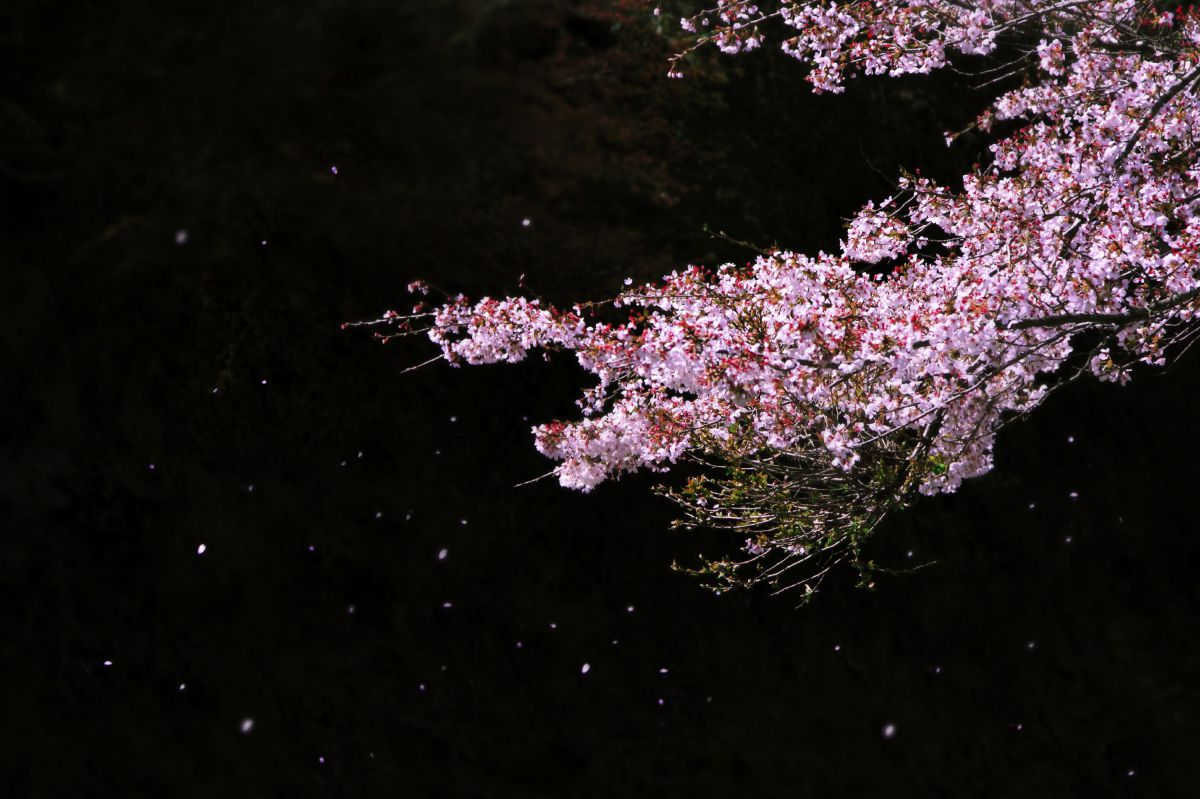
{"x": 820, "y": 397}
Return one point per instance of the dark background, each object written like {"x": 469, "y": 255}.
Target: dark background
{"x": 158, "y": 395}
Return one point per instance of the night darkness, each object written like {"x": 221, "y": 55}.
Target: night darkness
{"x": 245, "y": 556}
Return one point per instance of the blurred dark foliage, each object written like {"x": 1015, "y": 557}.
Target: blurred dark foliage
{"x": 449, "y": 122}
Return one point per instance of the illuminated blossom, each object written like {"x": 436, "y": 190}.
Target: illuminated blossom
{"x": 832, "y": 395}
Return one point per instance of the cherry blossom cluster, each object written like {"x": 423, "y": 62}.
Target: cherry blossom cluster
{"x": 830, "y": 395}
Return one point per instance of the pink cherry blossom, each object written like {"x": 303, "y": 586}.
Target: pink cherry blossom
{"x": 831, "y": 396}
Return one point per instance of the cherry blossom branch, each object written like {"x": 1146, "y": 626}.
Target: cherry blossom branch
{"x": 817, "y": 399}
{"x": 1107, "y": 319}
